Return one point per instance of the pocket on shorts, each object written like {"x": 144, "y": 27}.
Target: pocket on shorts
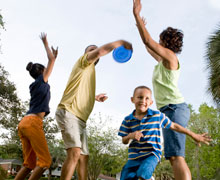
{"x": 183, "y": 114}
{"x": 168, "y": 107}
{"x": 178, "y": 113}
{"x": 169, "y": 110}
{"x": 60, "y": 117}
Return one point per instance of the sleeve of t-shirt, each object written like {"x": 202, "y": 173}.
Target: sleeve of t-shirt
{"x": 83, "y": 61}
{"x": 124, "y": 129}
{"x": 165, "y": 121}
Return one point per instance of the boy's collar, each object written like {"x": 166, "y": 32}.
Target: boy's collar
{"x": 148, "y": 113}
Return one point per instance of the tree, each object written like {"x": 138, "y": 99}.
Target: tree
{"x": 3, "y": 174}
{"x": 163, "y": 170}
{"x": 1, "y": 24}
{"x": 213, "y": 65}
{"x": 11, "y": 110}
{"x": 106, "y": 156}
{"x": 204, "y": 161}
{"x": 11, "y": 107}
{"x": 113, "y": 164}
{"x": 58, "y": 154}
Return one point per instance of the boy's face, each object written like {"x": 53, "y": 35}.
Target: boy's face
{"x": 142, "y": 100}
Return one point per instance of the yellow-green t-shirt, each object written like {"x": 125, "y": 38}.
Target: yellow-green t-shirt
{"x": 165, "y": 86}
{"x": 79, "y": 95}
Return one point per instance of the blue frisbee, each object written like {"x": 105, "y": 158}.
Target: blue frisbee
{"x": 121, "y": 54}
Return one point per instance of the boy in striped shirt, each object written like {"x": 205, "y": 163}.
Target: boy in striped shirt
{"x": 142, "y": 129}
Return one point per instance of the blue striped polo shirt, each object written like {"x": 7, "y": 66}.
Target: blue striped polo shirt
{"x": 150, "y": 127}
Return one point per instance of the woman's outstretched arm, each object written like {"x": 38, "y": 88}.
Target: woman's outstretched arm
{"x": 155, "y": 49}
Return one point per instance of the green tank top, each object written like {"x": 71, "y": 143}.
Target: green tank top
{"x": 165, "y": 86}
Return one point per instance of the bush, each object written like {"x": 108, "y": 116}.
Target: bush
{"x": 3, "y": 173}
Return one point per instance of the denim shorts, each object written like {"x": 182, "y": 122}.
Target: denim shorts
{"x": 174, "y": 142}
{"x": 134, "y": 169}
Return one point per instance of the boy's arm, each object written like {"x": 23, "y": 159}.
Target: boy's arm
{"x": 134, "y": 135}
{"x": 105, "y": 49}
{"x": 204, "y": 138}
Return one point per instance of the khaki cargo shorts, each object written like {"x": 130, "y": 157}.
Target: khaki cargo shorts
{"x": 73, "y": 130}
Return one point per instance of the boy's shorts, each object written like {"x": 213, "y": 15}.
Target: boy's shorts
{"x": 134, "y": 169}
{"x": 174, "y": 142}
{"x": 34, "y": 144}
{"x": 73, "y": 130}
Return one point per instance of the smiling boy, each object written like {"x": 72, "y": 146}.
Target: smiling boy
{"x": 142, "y": 129}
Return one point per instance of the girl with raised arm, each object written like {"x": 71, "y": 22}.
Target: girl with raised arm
{"x": 30, "y": 129}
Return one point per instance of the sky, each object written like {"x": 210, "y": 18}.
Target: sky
{"x": 72, "y": 25}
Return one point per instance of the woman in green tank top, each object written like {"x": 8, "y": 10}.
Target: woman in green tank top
{"x": 167, "y": 95}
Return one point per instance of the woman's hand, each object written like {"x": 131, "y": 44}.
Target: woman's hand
{"x": 51, "y": 54}
{"x": 137, "y": 7}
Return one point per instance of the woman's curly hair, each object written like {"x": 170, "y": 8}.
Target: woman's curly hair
{"x": 172, "y": 39}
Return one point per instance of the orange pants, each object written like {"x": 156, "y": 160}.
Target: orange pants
{"x": 34, "y": 144}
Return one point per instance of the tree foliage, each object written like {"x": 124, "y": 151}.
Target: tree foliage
{"x": 11, "y": 107}
{"x": 107, "y": 156}
{"x": 1, "y": 21}
{"x": 11, "y": 110}
{"x": 204, "y": 161}
{"x": 1, "y": 25}
{"x": 163, "y": 170}
{"x": 58, "y": 154}
{"x": 213, "y": 65}
{"x": 3, "y": 174}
